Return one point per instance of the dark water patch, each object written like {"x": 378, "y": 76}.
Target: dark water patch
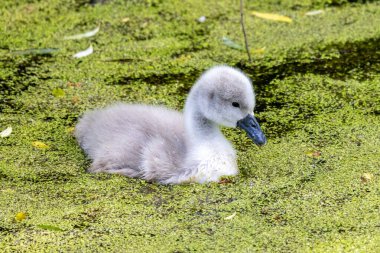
{"x": 36, "y": 51}
{"x": 138, "y": 29}
{"x": 4, "y": 229}
{"x": 55, "y": 177}
{"x": 328, "y": 3}
{"x": 78, "y": 4}
{"x": 123, "y": 60}
{"x": 196, "y": 46}
{"x": 8, "y": 230}
{"x": 198, "y": 37}
{"x": 3, "y": 175}
{"x": 158, "y": 78}
{"x": 19, "y": 73}
{"x": 336, "y": 3}
{"x": 93, "y": 2}
{"x": 358, "y": 60}
{"x": 66, "y": 118}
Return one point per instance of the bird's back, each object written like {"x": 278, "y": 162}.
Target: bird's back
{"x": 147, "y": 139}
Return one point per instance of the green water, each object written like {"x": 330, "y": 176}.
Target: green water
{"x": 318, "y": 100}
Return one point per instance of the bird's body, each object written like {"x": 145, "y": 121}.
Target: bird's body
{"x": 163, "y": 145}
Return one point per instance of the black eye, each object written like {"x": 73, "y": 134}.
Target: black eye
{"x": 235, "y": 104}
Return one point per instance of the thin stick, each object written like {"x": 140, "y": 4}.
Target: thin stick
{"x": 244, "y": 33}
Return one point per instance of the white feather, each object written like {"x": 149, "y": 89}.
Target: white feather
{"x": 84, "y": 53}
{"x": 6, "y": 132}
{"x": 83, "y": 35}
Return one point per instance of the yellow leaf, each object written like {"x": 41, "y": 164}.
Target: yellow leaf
{"x": 20, "y": 216}
{"x": 125, "y": 20}
{"x": 258, "y": 50}
{"x": 272, "y": 16}
{"x": 314, "y": 154}
{"x": 366, "y": 177}
{"x": 58, "y": 92}
{"x": 40, "y": 145}
{"x": 70, "y": 130}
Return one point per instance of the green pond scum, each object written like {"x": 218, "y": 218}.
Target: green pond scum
{"x": 315, "y": 187}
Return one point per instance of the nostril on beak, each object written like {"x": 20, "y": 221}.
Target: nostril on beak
{"x": 252, "y": 127}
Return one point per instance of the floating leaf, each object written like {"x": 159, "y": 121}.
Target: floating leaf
{"x": 225, "y": 181}
{"x": 272, "y": 16}
{"x": 258, "y": 50}
{"x": 20, "y": 216}
{"x": 75, "y": 100}
{"x": 49, "y": 227}
{"x": 202, "y": 19}
{"x": 70, "y": 130}
{"x": 231, "y": 216}
{"x": 84, "y": 53}
{"x": 72, "y": 84}
{"x": 232, "y": 44}
{"x": 125, "y": 20}
{"x": 58, "y": 92}
{"x": 39, "y": 145}
{"x": 315, "y": 153}
{"x": 35, "y": 51}
{"x": 313, "y": 13}
{"x": 6, "y": 132}
{"x": 83, "y": 35}
{"x": 366, "y": 177}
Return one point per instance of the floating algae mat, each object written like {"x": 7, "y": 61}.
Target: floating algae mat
{"x": 313, "y": 188}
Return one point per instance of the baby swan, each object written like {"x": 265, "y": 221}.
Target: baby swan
{"x": 159, "y": 144}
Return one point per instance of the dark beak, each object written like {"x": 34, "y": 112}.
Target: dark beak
{"x": 252, "y": 128}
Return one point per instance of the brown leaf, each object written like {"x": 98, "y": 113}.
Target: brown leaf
{"x": 314, "y": 154}
{"x": 75, "y": 100}
{"x": 366, "y": 177}
{"x": 73, "y": 84}
{"x": 225, "y": 181}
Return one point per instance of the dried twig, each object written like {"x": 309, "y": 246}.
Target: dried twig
{"x": 244, "y": 33}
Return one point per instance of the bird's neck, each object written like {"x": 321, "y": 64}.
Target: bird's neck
{"x": 209, "y": 153}
{"x": 198, "y": 127}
